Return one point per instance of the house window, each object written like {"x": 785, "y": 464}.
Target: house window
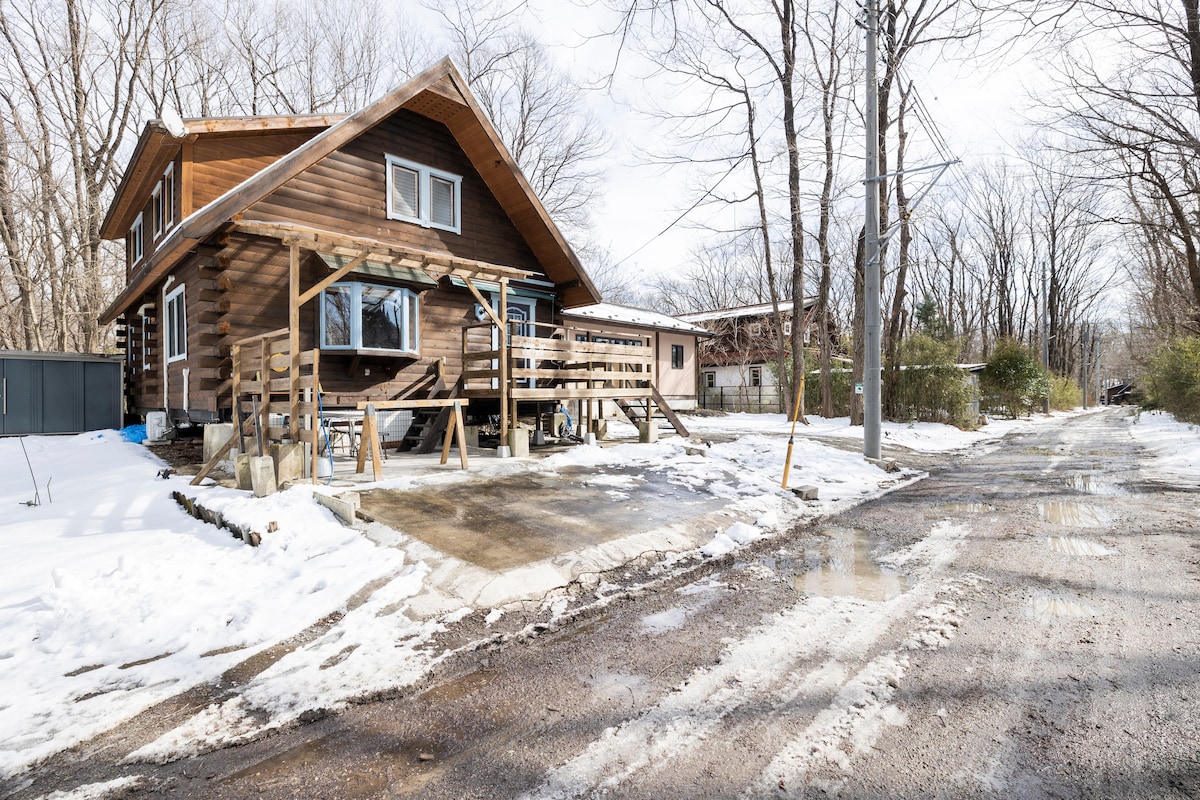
{"x": 677, "y": 356}
{"x": 156, "y": 207}
{"x": 366, "y": 317}
{"x": 168, "y": 195}
{"x": 420, "y": 194}
{"x": 710, "y": 380}
{"x": 176, "y": 328}
{"x": 756, "y": 376}
{"x": 134, "y": 243}
{"x": 787, "y": 327}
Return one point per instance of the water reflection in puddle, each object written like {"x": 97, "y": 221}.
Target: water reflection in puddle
{"x": 965, "y": 507}
{"x": 1047, "y": 607}
{"x": 1088, "y": 483}
{"x": 847, "y": 570}
{"x": 1077, "y": 547}
{"x": 1073, "y": 515}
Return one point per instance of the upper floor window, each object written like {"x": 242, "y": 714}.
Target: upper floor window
{"x": 134, "y": 243}
{"x": 162, "y": 202}
{"x": 421, "y": 194}
{"x": 363, "y": 316}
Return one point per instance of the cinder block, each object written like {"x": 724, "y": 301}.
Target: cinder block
{"x": 241, "y": 470}
{"x": 289, "y": 461}
{"x": 518, "y": 441}
{"x": 215, "y": 437}
{"x": 647, "y": 432}
{"x": 262, "y": 475}
{"x": 806, "y": 492}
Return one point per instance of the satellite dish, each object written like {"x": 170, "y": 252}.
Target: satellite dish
{"x": 173, "y": 123}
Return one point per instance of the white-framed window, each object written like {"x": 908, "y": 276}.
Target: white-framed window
{"x": 756, "y": 376}
{"x": 367, "y": 317}
{"x": 787, "y": 327}
{"x": 175, "y": 330}
{"x": 168, "y": 195}
{"x": 677, "y": 356}
{"x": 134, "y": 244}
{"x": 156, "y": 208}
{"x": 423, "y": 195}
{"x": 710, "y": 380}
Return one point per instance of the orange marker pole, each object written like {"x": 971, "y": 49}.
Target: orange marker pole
{"x": 787, "y": 464}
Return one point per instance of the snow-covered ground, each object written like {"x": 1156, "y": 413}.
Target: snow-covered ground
{"x": 112, "y": 599}
{"x": 1176, "y": 446}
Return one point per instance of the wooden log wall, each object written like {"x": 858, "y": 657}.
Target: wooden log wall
{"x": 346, "y": 192}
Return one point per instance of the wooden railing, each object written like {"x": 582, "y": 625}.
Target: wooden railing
{"x": 555, "y": 361}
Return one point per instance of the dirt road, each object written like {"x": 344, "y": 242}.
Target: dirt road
{"x": 1022, "y": 624}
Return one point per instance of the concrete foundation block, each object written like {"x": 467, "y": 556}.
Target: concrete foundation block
{"x": 289, "y": 461}
{"x": 503, "y": 451}
{"x": 215, "y": 437}
{"x": 241, "y": 471}
{"x": 647, "y": 432}
{"x": 344, "y": 506}
{"x": 471, "y": 434}
{"x": 262, "y": 475}
{"x": 518, "y": 440}
{"x": 806, "y": 492}
{"x": 589, "y": 438}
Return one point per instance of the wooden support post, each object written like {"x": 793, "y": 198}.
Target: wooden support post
{"x": 316, "y": 407}
{"x": 454, "y": 431}
{"x": 264, "y": 400}
{"x": 504, "y": 373}
{"x": 294, "y": 343}
{"x": 237, "y": 396}
{"x": 369, "y": 439}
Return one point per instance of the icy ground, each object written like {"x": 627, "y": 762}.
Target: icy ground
{"x": 112, "y": 599}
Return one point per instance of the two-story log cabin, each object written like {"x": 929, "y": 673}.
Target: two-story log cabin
{"x": 400, "y": 245}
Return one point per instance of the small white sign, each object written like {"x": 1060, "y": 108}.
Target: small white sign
{"x": 858, "y": 387}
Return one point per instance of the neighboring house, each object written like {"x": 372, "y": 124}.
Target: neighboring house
{"x": 738, "y": 369}
{"x": 399, "y": 246}
{"x": 675, "y": 344}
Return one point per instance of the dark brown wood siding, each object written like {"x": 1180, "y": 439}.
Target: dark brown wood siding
{"x": 221, "y": 162}
{"x": 346, "y": 192}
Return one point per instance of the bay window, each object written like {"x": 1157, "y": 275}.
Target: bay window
{"x": 364, "y": 317}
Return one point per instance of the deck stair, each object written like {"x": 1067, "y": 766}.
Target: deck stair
{"x": 660, "y": 411}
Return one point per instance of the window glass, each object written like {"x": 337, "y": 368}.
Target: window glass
{"x": 336, "y": 309}
{"x": 133, "y": 244}
{"x": 442, "y": 206}
{"x": 677, "y": 356}
{"x": 710, "y": 380}
{"x": 404, "y": 192}
{"x": 168, "y": 193}
{"x": 382, "y": 315}
{"x": 756, "y": 376}
{"x": 157, "y": 207}
{"x": 176, "y": 327}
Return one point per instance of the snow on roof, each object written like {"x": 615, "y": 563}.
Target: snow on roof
{"x": 610, "y": 312}
{"x": 785, "y": 306}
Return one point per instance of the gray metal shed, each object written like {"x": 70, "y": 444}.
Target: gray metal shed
{"x": 58, "y": 392}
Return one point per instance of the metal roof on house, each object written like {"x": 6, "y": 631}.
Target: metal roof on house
{"x": 785, "y": 307}
{"x": 628, "y": 315}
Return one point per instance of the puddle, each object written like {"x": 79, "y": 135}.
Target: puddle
{"x": 1073, "y": 515}
{"x": 620, "y": 688}
{"x": 508, "y": 522}
{"x": 1073, "y": 546}
{"x": 1089, "y": 484}
{"x": 670, "y": 620}
{"x": 1047, "y": 607}
{"x": 846, "y": 569}
{"x": 967, "y": 507}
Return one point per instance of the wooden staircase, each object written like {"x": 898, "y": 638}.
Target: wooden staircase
{"x": 660, "y": 411}
{"x": 428, "y": 425}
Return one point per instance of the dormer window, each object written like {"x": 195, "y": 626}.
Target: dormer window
{"x": 134, "y": 242}
{"x": 423, "y": 195}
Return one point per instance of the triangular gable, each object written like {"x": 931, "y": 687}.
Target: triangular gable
{"x": 439, "y": 93}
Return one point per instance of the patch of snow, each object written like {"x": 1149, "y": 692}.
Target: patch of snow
{"x": 95, "y": 791}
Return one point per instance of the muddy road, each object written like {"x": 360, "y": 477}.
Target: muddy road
{"x": 1021, "y": 624}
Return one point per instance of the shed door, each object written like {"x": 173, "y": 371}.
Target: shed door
{"x": 101, "y": 396}
{"x": 16, "y": 384}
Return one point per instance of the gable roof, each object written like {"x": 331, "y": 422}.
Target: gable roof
{"x": 440, "y": 93}
{"x": 628, "y": 315}
{"x": 757, "y": 310}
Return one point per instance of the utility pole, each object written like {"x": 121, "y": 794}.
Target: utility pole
{"x": 872, "y": 397}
